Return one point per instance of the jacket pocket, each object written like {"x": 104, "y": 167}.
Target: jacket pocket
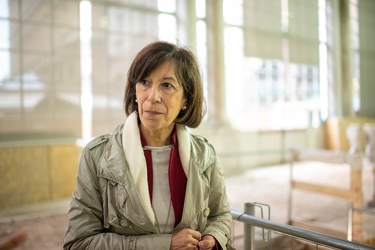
{"x": 122, "y": 216}
{"x": 114, "y": 198}
{"x": 199, "y": 220}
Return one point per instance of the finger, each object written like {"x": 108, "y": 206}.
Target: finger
{"x": 204, "y": 248}
{"x": 196, "y": 243}
{"x": 196, "y": 235}
{"x": 206, "y": 243}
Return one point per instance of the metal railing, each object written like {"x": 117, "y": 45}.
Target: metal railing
{"x": 317, "y": 239}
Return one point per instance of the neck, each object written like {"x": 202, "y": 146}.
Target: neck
{"x": 157, "y": 138}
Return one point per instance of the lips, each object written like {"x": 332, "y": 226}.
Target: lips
{"x": 150, "y": 112}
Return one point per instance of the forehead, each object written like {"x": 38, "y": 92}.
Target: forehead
{"x": 165, "y": 70}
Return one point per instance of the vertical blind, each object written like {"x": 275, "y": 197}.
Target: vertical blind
{"x": 262, "y": 29}
{"x": 264, "y": 32}
{"x": 303, "y": 33}
{"x": 366, "y": 10}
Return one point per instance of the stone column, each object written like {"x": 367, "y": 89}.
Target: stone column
{"x": 186, "y": 23}
{"x": 215, "y": 62}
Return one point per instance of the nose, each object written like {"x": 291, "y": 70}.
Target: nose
{"x": 154, "y": 94}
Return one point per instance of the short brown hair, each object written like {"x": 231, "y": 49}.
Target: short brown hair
{"x": 187, "y": 73}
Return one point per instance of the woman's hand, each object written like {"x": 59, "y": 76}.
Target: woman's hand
{"x": 185, "y": 239}
{"x": 13, "y": 241}
{"x": 207, "y": 242}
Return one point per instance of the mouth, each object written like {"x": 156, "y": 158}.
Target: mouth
{"x": 151, "y": 112}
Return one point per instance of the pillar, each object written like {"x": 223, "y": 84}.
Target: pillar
{"x": 215, "y": 62}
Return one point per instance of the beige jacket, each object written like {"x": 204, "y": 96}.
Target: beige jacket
{"x": 106, "y": 210}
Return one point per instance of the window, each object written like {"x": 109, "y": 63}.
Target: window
{"x": 39, "y": 80}
{"x": 64, "y": 62}
{"x": 272, "y": 64}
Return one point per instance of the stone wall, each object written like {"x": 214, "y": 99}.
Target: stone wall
{"x": 37, "y": 173}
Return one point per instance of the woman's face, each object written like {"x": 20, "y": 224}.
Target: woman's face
{"x": 160, "y": 98}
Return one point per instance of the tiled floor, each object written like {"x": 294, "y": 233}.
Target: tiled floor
{"x": 46, "y": 223}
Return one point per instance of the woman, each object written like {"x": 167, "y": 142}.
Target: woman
{"x": 151, "y": 184}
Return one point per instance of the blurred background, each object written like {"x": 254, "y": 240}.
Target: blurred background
{"x": 278, "y": 74}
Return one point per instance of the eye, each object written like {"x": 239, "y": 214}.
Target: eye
{"x": 167, "y": 85}
{"x": 143, "y": 81}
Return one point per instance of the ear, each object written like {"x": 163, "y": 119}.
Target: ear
{"x": 184, "y": 104}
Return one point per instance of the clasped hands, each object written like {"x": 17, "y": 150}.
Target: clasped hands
{"x": 191, "y": 239}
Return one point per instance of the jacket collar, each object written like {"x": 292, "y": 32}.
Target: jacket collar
{"x": 115, "y": 167}
{"x": 136, "y": 162}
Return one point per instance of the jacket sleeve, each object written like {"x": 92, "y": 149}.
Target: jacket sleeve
{"x": 85, "y": 225}
{"x": 219, "y": 220}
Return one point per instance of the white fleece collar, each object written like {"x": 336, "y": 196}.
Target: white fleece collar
{"x": 131, "y": 143}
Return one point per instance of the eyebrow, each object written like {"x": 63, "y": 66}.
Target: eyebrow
{"x": 169, "y": 78}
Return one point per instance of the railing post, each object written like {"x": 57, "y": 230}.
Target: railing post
{"x": 350, "y": 222}
{"x": 249, "y": 230}
{"x": 356, "y": 196}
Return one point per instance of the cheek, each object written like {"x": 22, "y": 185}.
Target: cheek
{"x": 139, "y": 96}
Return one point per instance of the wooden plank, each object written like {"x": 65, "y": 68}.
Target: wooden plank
{"x": 321, "y": 155}
{"x": 327, "y": 190}
{"x": 316, "y": 227}
{"x": 369, "y": 242}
